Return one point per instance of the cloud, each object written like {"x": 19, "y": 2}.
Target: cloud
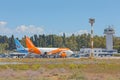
{"x": 21, "y": 30}
{"x": 30, "y": 29}
{"x": 2, "y": 23}
{"x": 81, "y": 32}
{"x": 75, "y": 33}
{"x": 3, "y": 29}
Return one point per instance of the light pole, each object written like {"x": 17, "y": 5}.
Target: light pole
{"x": 91, "y": 21}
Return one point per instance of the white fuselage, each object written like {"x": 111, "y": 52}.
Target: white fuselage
{"x": 43, "y": 50}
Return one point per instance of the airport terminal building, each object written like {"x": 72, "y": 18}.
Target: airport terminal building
{"x": 100, "y": 52}
{"x": 97, "y": 52}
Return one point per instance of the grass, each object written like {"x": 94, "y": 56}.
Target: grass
{"x": 117, "y": 55}
{"x": 61, "y": 69}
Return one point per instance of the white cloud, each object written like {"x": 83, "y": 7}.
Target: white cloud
{"x": 3, "y": 23}
{"x": 20, "y": 30}
{"x": 81, "y": 32}
{"x": 75, "y": 33}
{"x": 30, "y": 29}
{"x": 3, "y": 29}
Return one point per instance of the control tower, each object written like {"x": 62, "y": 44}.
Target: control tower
{"x": 109, "y": 37}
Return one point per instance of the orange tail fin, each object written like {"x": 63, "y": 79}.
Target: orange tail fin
{"x": 29, "y": 43}
{"x": 31, "y": 47}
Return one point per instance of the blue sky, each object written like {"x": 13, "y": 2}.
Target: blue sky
{"x": 28, "y": 17}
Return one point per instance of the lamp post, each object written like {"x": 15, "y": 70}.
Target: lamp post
{"x": 91, "y": 21}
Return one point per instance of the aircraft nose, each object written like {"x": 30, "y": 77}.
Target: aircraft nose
{"x": 69, "y": 53}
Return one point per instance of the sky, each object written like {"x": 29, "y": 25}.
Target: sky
{"x": 29, "y": 17}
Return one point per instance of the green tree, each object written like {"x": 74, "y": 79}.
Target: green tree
{"x": 71, "y": 42}
{"x": 11, "y": 43}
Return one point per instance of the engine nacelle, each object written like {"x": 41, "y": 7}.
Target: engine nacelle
{"x": 63, "y": 54}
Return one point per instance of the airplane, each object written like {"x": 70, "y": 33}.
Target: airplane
{"x": 47, "y": 52}
{"x": 20, "y": 50}
{"x": 19, "y": 47}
